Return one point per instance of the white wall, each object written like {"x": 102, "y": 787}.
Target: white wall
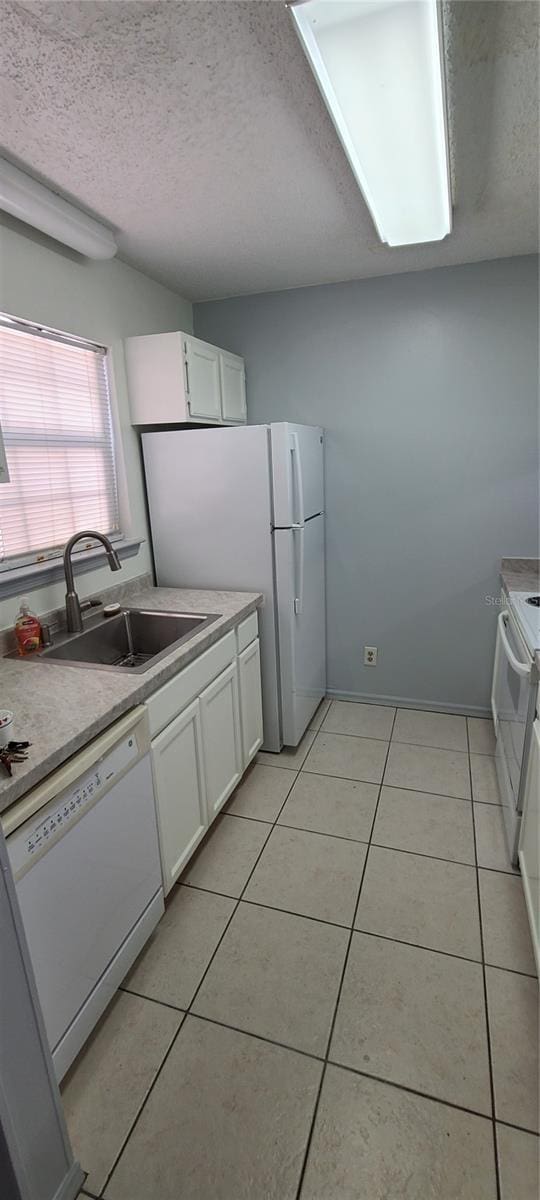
{"x": 427, "y": 385}
{"x": 106, "y": 302}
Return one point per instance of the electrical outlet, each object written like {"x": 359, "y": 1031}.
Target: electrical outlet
{"x": 370, "y": 656}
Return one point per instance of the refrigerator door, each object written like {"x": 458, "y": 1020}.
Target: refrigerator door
{"x": 298, "y": 472}
{"x": 299, "y": 555}
{"x": 209, "y": 498}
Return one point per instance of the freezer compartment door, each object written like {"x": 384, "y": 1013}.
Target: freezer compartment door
{"x": 298, "y": 472}
{"x": 210, "y": 507}
{"x": 299, "y": 556}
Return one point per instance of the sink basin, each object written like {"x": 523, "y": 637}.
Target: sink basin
{"x": 133, "y": 640}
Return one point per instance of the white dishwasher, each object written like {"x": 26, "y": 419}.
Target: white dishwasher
{"x": 83, "y": 847}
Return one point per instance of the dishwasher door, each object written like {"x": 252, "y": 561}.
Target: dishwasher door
{"x": 88, "y": 878}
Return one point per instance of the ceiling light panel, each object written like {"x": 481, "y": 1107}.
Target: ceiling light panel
{"x": 379, "y": 66}
{"x": 30, "y": 201}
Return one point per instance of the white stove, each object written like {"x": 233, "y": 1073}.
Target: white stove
{"x": 528, "y": 615}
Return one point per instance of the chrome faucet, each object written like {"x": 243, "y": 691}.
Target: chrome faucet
{"x": 73, "y": 608}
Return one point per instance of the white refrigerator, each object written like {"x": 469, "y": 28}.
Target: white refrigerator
{"x": 242, "y": 509}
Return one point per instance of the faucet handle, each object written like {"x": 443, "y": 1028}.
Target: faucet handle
{"x": 94, "y": 602}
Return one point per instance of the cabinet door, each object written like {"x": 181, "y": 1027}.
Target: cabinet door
{"x": 249, "y": 672}
{"x": 220, "y": 718}
{"x": 202, "y": 380}
{"x": 177, "y": 764}
{"x": 233, "y": 388}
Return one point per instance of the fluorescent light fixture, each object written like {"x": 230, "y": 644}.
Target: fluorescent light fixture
{"x": 379, "y": 66}
{"x": 37, "y": 205}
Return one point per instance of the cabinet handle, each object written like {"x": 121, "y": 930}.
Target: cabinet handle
{"x": 296, "y": 463}
{"x": 186, "y": 369}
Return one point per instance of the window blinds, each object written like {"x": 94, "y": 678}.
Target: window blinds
{"x": 55, "y": 416}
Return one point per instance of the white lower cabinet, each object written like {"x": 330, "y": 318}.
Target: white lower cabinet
{"x": 206, "y": 726}
{"x": 249, "y": 675}
{"x": 179, "y": 783}
{"x": 220, "y": 719}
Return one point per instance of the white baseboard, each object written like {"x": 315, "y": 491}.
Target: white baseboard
{"x": 465, "y": 710}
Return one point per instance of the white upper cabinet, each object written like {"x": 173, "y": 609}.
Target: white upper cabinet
{"x": 233, "y": 387}
{"x": 177, "y": 379}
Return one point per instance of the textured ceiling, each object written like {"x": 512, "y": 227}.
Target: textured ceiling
{"x": 195, "y": 129}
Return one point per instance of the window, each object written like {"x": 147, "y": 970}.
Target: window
{"x": 55, "y": 415}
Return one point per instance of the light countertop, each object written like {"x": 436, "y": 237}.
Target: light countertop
{"x": 61, "y": 708}
{"x": 521, "y": 574}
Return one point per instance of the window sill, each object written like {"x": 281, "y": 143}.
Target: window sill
{"x": 20, "y": 579}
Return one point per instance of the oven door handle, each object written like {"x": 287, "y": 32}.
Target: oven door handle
{"x": 520, "y": 668}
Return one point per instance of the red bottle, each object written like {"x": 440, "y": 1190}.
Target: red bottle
{"x": 27, "y": 629}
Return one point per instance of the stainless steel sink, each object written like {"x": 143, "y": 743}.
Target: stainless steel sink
{"x": 133, "y": 640}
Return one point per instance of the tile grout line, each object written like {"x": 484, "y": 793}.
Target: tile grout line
{"x": 342, "y": 837}
{"x": 259, "y": 1037}
{"x": 457, "y": 862}
{"x": 143, "y": 1103}
{"x": 187, "y": 1012}
{"x": 381, "y": 845}
{"x": 341, "y": 981}
{"x": 523, "y": 1128}
{"x": 403, "y": 1087}
{"x": 373, "y": 737}
{"x": 486, "y": 1006}
{"x": 396, "y": 786}
{"x": 164, "y": 1003}
{"x": 473, "y": 1112}
{"x": 272, "y": 826}
{"x": 437, "y": 950}
{"x": 289, "y": 912}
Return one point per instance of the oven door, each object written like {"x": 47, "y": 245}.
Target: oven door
{"x": 511, "y": 701}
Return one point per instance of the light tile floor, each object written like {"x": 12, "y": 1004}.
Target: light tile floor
{"x": 340, "y": 1002}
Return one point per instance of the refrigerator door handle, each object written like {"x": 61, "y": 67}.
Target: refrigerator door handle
{"x": 298, "y": 536}
{"x": 296, "y": 462}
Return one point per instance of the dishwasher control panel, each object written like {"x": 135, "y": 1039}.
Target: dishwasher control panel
{"x": 49, "y": 824}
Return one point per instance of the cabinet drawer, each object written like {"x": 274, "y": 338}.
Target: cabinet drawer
{"x": 247, "y": 631}
{"x": 165, "y": 704}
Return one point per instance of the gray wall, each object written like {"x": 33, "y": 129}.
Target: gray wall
{"x": 427, "y": 386}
